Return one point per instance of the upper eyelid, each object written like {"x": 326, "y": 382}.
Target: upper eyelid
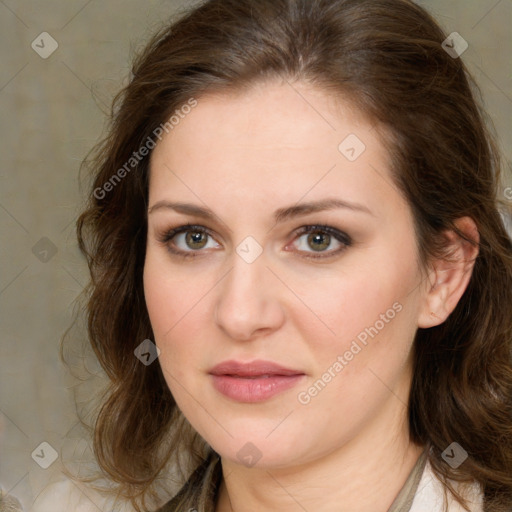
{"x": 343, "y": 237}
{"x": 178, "y": 230}
{"x": 301, "y": 229}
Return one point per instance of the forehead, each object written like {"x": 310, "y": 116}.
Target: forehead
{"x": 276, "y": 141}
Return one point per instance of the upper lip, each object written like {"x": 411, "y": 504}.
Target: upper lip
{"x": 253, "y": 368}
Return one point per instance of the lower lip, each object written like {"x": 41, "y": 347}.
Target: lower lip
{"x": 254, "y": 390}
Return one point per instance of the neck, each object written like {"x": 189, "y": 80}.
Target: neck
{"x": 364, "y": 474}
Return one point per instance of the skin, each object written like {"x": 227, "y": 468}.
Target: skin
{"x": 244, "y": 156}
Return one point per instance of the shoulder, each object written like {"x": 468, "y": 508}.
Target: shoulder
{"x": 67, "y": 495}
{"x": 430, "y": 495}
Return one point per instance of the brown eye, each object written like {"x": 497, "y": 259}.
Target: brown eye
{"x": 319, "y": 241}
{"x": 325, "y": 241}
{"x": 196, "y": 239}
{"x": 188, "y": 240}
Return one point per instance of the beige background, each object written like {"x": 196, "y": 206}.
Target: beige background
{"x": 52, "y": 114}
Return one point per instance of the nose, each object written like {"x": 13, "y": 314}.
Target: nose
{"x": 248, "y": 304}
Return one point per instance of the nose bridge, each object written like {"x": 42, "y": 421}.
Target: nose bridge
{"x": 247, "y": 302}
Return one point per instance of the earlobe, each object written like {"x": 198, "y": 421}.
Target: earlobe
{"x": 450, "y": 276}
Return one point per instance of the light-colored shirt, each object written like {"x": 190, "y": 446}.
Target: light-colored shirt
{"x": 422, "y": 492}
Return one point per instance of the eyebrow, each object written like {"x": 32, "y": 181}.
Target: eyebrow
{"x": 280, "y": 215}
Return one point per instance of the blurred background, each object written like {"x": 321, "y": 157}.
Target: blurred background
{"x": 62, "y": 62}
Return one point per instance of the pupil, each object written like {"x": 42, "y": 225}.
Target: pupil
{"x": 319, "y": 241}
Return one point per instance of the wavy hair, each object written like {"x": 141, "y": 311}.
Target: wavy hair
{"x": 387, "y": 58}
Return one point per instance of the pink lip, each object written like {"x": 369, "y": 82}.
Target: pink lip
{"x": 253, "y": 382}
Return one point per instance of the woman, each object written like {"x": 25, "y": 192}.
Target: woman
{"x": 301, "y": 283}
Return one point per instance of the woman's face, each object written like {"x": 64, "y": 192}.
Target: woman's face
{"x": 312, "y": 326}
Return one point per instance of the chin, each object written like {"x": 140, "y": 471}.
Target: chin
{"x": 261, "y": 451}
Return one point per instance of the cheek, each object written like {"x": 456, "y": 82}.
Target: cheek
{"x": 367, "y": 315}
{"x": 354, "y": 372}
{"x": 171, "y": 295}
{"x": 341, "y": 307}
{"x": 176, "y": 305}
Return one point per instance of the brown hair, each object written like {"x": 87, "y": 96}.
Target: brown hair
{"x": 386, "y": 56}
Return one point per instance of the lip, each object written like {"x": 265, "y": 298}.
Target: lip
{"x": 253, "y": 369}
{"x": 255, "y": 381}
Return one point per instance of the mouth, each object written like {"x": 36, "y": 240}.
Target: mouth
{"x": 256, "y": 381}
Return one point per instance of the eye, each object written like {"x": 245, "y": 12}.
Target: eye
{"x": 321, "y": 241}
{"x": 316, "y": 241}
{"x": 188, "y": 240}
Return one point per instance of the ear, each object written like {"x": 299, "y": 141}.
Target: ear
{"x": 448, "y": 279}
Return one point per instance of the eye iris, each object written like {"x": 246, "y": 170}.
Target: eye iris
{"x": 195, "y": 239}
{"x": 319, "y": 241}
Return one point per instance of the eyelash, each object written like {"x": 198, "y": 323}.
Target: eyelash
{"x": 340, "y": 236}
